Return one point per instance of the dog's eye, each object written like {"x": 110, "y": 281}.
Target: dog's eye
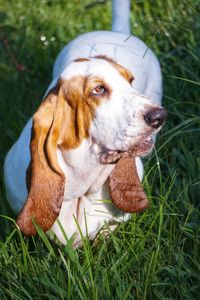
{"x": 99, "y": 90}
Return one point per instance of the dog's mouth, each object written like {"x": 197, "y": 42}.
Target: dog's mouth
{"x": 141, "y": 148}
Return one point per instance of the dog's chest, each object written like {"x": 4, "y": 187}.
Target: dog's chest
{"x": 83, "y": 172}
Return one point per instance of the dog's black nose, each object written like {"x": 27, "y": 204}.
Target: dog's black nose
{"x": 155, "y": 117}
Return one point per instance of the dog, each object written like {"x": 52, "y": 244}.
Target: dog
{"x": 84, "y": 144}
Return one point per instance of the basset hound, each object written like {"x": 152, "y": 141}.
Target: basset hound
{"x": 83, "y": 145}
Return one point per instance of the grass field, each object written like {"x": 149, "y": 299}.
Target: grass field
{"x": 156, "y": 255}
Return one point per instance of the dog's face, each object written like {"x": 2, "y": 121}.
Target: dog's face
{"x": 118, "y": 117}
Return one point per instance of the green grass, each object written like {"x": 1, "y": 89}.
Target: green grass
{"x": 156, "y": 254}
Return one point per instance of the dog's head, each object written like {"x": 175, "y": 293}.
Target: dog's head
{"x": 124, "y": 119}
{"x": 113, "y": 115}
{"x": 94, "y": 100}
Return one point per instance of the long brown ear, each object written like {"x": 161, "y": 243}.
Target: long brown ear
{"x": 125, "y": 188}
{"x": 45, "y": 178}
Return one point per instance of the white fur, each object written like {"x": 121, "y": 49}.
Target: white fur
{"x": 118, "y": 123}
{"x": 120, "y": 13}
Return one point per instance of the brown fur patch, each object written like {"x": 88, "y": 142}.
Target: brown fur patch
{"x": 44, "y": 177}
{"x": 81, "y": 59}
{"x": 123, "y": 71}
{"x": 80, "y": 109}
{"x": 125, "y": 187}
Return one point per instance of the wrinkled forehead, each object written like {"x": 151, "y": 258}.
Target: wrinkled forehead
{"x": 97, "y": 67}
